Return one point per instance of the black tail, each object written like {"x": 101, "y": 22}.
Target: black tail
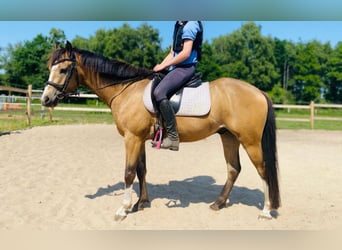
{"x": 269, "y": 148}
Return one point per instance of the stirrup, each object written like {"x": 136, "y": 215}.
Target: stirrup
{"x": 157, "y": 140}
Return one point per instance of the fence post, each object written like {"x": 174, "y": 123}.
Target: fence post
{"x": 50, "y": 113}
{"x": 312, "y": 114}
{"x": 28, "y": 105}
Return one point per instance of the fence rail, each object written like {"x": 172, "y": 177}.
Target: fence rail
{"x": 312, "y": 107}
{"x": 83, "y": 109}
{"x": 28, "y": 93}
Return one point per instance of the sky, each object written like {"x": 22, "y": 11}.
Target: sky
{"x": 12, "y": 32}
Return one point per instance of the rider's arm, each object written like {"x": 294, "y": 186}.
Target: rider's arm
{"x": 170, "y": 59}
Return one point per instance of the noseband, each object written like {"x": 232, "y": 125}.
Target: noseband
{"x": 70, "y": 72}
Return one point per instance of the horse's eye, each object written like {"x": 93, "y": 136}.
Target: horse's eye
{"x": 63, "y": 71}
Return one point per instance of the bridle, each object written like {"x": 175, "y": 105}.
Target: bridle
{"x": 71, "y": 70}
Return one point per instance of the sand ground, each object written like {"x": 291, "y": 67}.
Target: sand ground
{"x": 71, "y": 177}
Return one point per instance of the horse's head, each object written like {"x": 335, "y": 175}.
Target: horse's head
{"x": 63, "y": 79}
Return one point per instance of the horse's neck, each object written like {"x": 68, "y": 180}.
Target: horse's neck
{"x": 97, "y": 85}
{"x": 104, "y": 88}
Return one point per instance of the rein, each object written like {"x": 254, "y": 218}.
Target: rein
{"x": 70, "y": 72}
{"x": 73, "y": 70}
{"x": 128, "y": 82}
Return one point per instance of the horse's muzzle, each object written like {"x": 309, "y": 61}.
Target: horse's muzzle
{"x": 48, "y": 102}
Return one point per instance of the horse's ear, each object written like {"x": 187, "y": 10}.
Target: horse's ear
{"x": 68, "y": 47}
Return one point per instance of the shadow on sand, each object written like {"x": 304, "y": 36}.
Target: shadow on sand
{"x": 190, "y": 190}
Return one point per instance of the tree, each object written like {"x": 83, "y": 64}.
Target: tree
{"x": 246, "y": 54}
{"x": 278, "y": 94}
{"x": 140, "y": 47}
{"x": 207, "y": 66}
{"x": 26, "y": 63}
{"x": 310, "y": 69}
{"x": 334, "y": 86}
{"x": 81, "y": 43}
{"x": 288, "y": 71}
{"x": 285, "y": 56}
{"x": 2, "y": 65}
{"x": 57, "y": 36}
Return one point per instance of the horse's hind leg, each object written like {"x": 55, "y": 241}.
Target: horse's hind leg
{"x": 231, "y": 154}
{"x": 254, "y": 152}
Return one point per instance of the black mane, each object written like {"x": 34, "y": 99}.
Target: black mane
{"x": 103, "y": 65}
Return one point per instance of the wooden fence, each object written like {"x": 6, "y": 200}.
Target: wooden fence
{"x": 311, "y": 119}
{"x": 312, "y": 107}
{"x": 28, "y": 93}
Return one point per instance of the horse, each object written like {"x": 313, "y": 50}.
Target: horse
{"x": 240, "y": 113}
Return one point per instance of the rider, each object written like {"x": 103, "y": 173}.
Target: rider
{"x": 181, "y": 62}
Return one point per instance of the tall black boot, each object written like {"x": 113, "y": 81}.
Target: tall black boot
{"x": 172, "y": 140}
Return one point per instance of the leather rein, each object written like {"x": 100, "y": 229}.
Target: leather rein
{"x": 73, "y": 69}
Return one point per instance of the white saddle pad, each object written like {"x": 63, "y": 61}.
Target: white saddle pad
{"x": 195, "y": 101}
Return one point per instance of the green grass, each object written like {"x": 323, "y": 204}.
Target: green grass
{"x": 324, "y": 125}
{"x": 16, "y": 120}
{"x": 305, "y": 114}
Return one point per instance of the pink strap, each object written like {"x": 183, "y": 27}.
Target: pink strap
{"x": 158, "y": 137}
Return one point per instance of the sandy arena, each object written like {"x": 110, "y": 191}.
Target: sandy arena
{"x": 71, "y": 177}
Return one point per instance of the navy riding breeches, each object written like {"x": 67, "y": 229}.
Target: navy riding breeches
{"x": 173, "y": 81}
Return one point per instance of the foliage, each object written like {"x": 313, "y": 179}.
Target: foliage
{"x": 209, "y": 68}
{"x": 288, "y": 71}
{"x": 310, "y": 69}
{"x": 278, "y": 94}
{"x": 25, "y": 63}
{"x": 140, "y": 47}
{"x": 246, "y": 55}
{"x": 334, "y": 86}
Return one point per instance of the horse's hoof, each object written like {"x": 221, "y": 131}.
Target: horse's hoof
{"x": 120, "y": 214}
{"x": 214, "y": 207}
{"x": 137, "y": 207}
{"x": 217, "y": 207}
{"x": 119, "y": 217}
{"x": 265, "y": 216}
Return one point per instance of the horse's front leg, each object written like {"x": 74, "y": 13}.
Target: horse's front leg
{"x": 133, "y": 147}
{"x": 141, "y": 173}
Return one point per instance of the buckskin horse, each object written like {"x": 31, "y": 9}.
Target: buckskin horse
{"x": 240, "y": 113}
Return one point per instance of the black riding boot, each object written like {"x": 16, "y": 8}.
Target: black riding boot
{"x": 172, "y": 140}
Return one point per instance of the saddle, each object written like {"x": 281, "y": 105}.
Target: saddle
{"x": 191, "y": 100}
{"x": 176, "y": 99}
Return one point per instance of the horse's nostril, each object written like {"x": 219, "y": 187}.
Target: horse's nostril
{"x": 46, "y": 99}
